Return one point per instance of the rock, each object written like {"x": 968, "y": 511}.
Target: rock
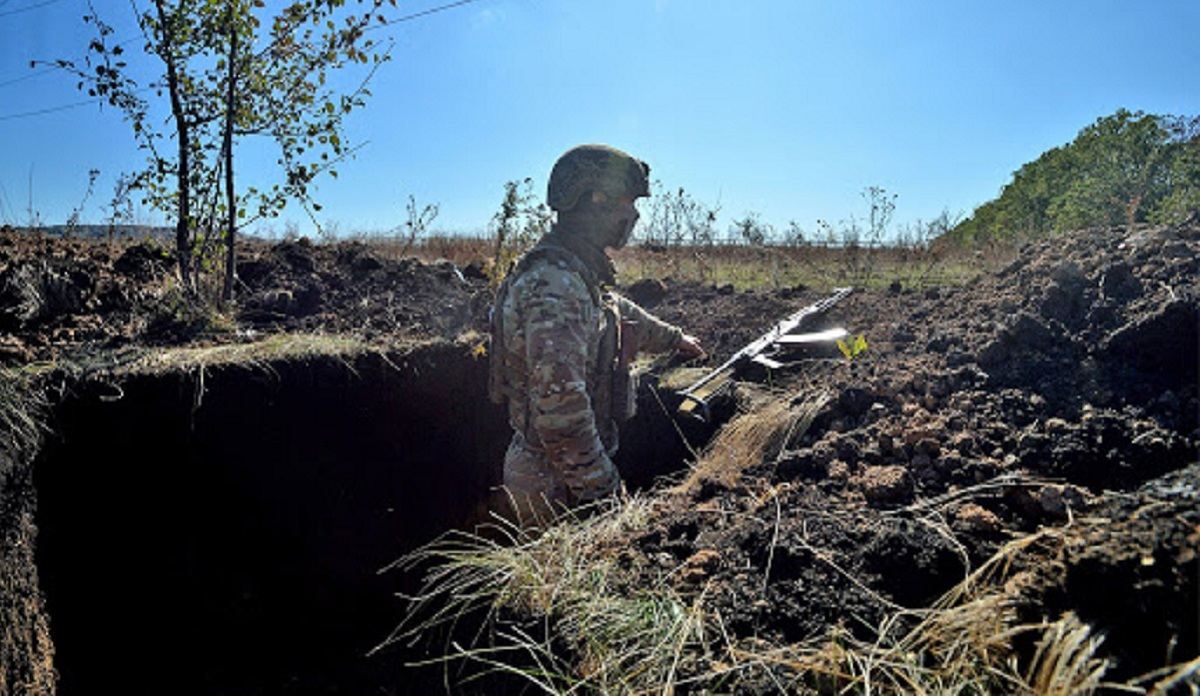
{"x": 977, "y": 518}
{"x": 699, "y": 565}
{"x": 884, "y": 484}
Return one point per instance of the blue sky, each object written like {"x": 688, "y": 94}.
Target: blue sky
{"x": 785, "y": 108}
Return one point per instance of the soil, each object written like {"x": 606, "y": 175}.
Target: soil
{"x": 1059, "y": 388}
{"x": 1062, "y": 387}
{"x": 62, "y": 298}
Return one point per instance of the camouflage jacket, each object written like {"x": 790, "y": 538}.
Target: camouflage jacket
{"x": 556, "y": 344}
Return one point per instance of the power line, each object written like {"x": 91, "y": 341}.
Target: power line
{"x": 28, "y": 76}
{"x": 63, "y": 107}
{"x": 422, "y": 13}
{"x": 50, "y": 110}
{"x": 75, "y": 105}
{"x": 27, "y": 8}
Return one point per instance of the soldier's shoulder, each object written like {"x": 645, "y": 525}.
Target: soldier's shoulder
{"x": 549, "y": 273}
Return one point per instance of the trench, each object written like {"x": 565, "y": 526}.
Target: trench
{"x": 232, "y": 545}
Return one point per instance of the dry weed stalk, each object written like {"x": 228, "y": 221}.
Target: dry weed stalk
{"x": 603, "y": 629}
{"x": 563, "y": 571}
{"x": 21, "y": 414}
{"x": 753, "y": 436}
{"x": 962, "y": 644}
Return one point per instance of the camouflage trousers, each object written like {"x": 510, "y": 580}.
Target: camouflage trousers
{"x": 537, "y": 489}
{"x": 531, "y": 484}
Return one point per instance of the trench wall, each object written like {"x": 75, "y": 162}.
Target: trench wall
{"x": 228, "y": 540}
{"x": 220, "y": 532}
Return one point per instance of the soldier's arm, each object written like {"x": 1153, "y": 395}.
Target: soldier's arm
{"x": 651, "y": 334}
{"x": 559, "y": 317}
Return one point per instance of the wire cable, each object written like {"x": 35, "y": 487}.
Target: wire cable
{"x": 27, "y": 8}
{"x": 62, "y": 107}
{"x": 422, "y": 13}
{"x": 28, "y": 76}
{"x": 49, "y": 110}
{"x": 75, "y": 105}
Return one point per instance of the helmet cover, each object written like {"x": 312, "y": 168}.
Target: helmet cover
{"x": 600, "y": 168}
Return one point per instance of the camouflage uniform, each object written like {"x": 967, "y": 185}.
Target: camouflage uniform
{"x": 557, "y": 337}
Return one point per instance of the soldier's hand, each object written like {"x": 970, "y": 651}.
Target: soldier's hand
{"x": 689, "y": 347}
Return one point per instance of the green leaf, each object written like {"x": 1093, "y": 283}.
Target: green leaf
{"x": 844, "y": 348}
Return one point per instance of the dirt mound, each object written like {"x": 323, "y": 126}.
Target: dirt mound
{"x": 350, "y": 287}
{"x": 61, "y": 296}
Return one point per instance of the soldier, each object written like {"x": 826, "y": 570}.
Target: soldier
{"x": 561, "y": 339}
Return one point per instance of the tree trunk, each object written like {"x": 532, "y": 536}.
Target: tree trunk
{"x": 230, "y": 198}
{"x": 183, "y": 237}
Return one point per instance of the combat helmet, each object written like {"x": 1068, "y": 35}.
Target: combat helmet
{"x": 596, "y": 168}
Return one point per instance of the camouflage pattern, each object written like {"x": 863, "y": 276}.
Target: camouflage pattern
{"x": 596, "y": 168}
{"x": 555, "y": 346}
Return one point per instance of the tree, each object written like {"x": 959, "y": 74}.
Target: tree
{"x": 1182, "y": 199}
{"x": 225, "y": 73}
{"x": 752, "y": 230}
{"x": 1122, "y": 166}
{"x": 519, "y": 222}
{"x": 1126, "y": 168}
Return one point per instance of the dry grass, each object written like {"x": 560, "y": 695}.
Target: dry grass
{"x": 22, "y": 407}
{"x": 743, "y": 266}
{"x": 560, "y": 612}
{"x": 747, "y": 267}
{"x": 758, "y": 433}
{"x": 619, "y": 640}
{"x": 289, "y": 346}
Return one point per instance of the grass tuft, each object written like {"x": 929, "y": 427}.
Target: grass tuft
{"x": 22, "y": 408}
{"x": 561, "y": 612}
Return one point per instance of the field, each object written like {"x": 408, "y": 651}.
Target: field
{"x": 999, "y": 495}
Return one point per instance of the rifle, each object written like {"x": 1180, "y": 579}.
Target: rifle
{"x": 696, "y": 396}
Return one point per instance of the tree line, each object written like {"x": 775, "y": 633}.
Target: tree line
{"x": 1126, "y": 168}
